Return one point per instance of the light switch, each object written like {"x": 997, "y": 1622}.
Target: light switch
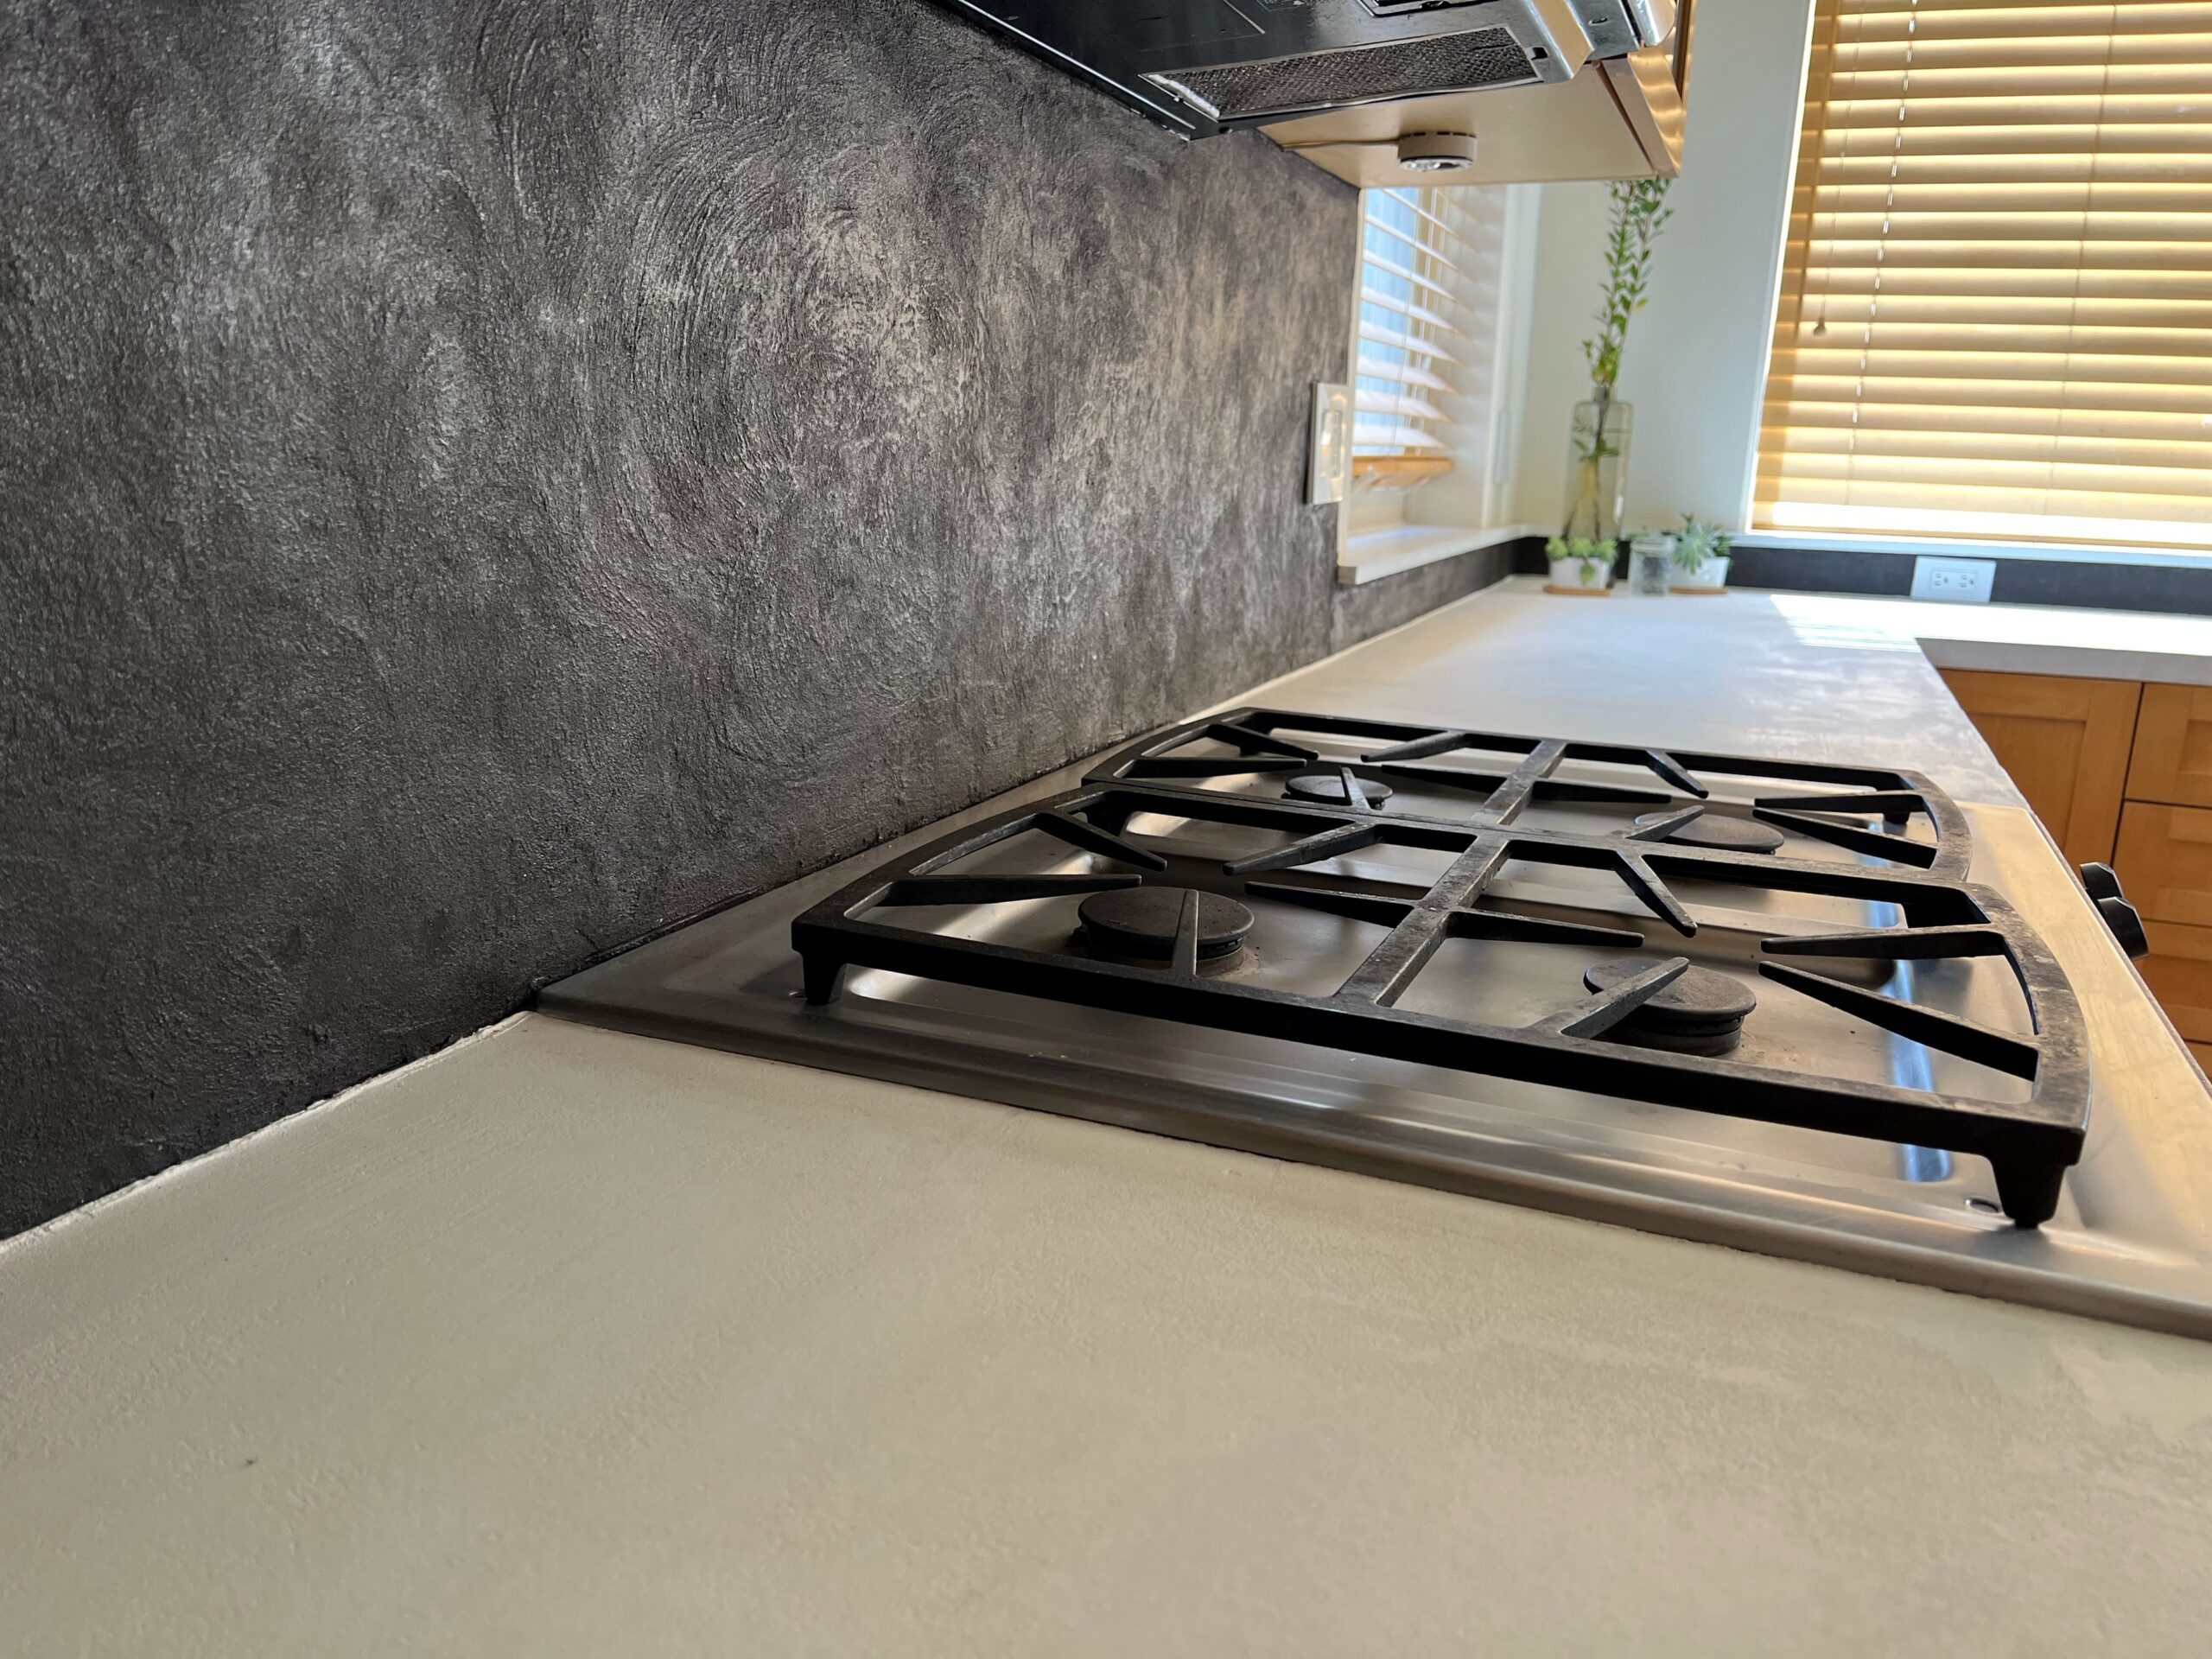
{"x": 1328, "y": 460}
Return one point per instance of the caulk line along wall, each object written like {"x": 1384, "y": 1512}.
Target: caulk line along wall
{"x": 481, "y": 482}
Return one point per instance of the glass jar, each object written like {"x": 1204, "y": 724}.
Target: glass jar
{"x": 1597, "y": 468}
{"x": 1651, "y": 566}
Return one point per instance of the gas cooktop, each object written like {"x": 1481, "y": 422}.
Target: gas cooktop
{"x": 1762, "y": 1001}
{"x": 1189, "y": 838}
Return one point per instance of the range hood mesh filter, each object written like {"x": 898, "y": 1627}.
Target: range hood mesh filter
{"x": 1433, "y": 63}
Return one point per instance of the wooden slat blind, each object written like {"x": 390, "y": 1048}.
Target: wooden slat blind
{"x": 1429, "y": 272}
{"x": 1996, "y": 301}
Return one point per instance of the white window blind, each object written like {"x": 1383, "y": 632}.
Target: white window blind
{"x": 1426, "y": 365}
{"x": 1995, "y": 318}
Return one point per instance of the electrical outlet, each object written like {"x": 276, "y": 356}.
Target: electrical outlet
{"x": 1962, "y": 581}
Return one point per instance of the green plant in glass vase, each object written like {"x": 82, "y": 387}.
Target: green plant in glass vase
{"x": 1600, "y": 437}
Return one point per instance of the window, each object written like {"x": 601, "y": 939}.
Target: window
{"x": 1996, "y": 301}
{"x": 1430, "y": 448}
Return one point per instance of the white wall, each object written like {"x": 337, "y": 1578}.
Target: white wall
{"x": 1696, "y": 355}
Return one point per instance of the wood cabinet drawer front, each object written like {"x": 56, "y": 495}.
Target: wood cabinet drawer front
{"x": 2178, "y": 970}
{"x": 2164, "y": 862}
{"x": 2173, "y": 747}
{"x": 2064, "y": 741}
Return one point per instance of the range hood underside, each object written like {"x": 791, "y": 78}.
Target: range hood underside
{"x": 1205, "y": 66}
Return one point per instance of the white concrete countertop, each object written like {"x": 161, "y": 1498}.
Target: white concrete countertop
{"x": 1777, "y": 675}
{"x": 2022, "y": 638}
{"x": 570, "y": 1341}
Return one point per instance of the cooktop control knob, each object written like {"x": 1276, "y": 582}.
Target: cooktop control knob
{"x": 2102, "y": 882}
{"x": 2127, "y": 926}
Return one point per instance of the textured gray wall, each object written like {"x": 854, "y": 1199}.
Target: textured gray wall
{"x": 480, "y": 482}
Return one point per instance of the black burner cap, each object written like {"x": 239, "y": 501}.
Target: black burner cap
{"x": 1720, "y": 833}
{"x": 1328, "y": 788}
{"x": 1701, "y": 1012}
{"x": 1141, "y": 922}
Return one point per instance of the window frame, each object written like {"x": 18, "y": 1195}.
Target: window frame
{"x": 1382, "y": 531}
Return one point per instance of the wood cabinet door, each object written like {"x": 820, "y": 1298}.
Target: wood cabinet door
{"x": 2064, "y": 742}
{"x": 2178, "y": 970}
{"x": 2165, "y": 862}
{"x": 2173, "y": 747}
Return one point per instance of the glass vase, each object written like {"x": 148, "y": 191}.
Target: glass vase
{"x": 1597, "y": 468}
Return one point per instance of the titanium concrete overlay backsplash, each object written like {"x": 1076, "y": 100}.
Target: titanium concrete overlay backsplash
{"x": 481, "y": 482}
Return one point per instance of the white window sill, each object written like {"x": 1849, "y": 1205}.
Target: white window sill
{"x": 1375, "y": 554}
{"x": 1913, "y": 547}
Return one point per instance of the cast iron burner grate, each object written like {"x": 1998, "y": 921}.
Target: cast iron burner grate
{"x": 2029, "y": 1143}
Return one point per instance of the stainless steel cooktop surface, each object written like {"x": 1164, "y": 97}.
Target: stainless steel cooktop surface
{"x": 1798, "y": 1009}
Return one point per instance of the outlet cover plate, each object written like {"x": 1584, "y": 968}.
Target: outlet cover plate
{"x": 1328, "y": 460}
{"x": 1959, "y": 581}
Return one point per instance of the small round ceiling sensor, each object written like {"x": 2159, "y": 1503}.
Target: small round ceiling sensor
{"x": 1436, "y": 152}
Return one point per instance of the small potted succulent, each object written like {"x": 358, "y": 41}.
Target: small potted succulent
{"x": 1701, "y": 557}
{"x": 1580, "y": 565}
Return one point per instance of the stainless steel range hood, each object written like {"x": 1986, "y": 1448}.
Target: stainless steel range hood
{"x": 1205, "y": 66}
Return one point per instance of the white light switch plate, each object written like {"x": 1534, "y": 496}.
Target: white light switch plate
{"x": 1962, "y": 581}
{"x": 1328, "y": 459}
